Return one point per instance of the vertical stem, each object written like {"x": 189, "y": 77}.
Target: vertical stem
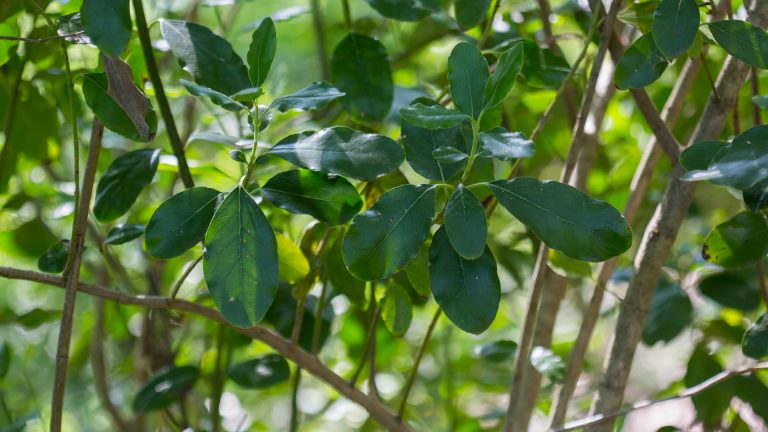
{"x": 366, "y": 346}
{"x": 372, "y": 390}
{"x": 295, "y": 400}
{"x": 761, "y": 280}
{"x": 162, "y": 101}
{"x": 317, "y": 25}
{"x": 415, "y": 368}
{"x": 347, "y": 14}
{"x": 218, "y": 379}
{"x": 756, "y": 117}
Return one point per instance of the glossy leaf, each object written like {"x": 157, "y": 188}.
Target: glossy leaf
{"x": 262, "y": 51}
{"x": 164, "y": 388}
{"x": 240, "y": 261}
{"x": 548, "y": 364}
{"x": 469, "y": 13}
{"x": 670, "y": 313}
{"x": 431, "y": 116}
{"x": 504, "y": 145}
{"x": 565, "y": 218}
{"x": 292, "y": 264}
{"x": 219, "y": 99}
{"x": 755, "y": 342}
{"x": 641, "y": 64}
{"x": 124, "y": 180}
{"x": 396, "y": 310}
{"x": 180, "y": 222}
{"x": 107, "y": 24}
{"x": 360, "y": 68}
{"x": 742, "y": 40}
{"x": 675, "y": 24}
{"x": 261, "y": 372}
{"x": 448, "y": 155}
{"x": 405, "y": 10}
{"x": 381, "y": 241}
{"x": 343, "y": 151}
{"x": 737, "y": 242}
{"x": 55, "y": 258}
{"x": 124, "y": 233}
{"x": 497, "y": 351}
{"x": 332, "y": 200}
{"x": 468, "y": 291}
{"x": 503, "y": 79}
{"x": 467, "y": 77}
{"x": 207, "y": 57}
{"x": 756, "y": 197}
{"x": 699, "y": 155}
{"x": 315, "y": 96}
{"x": 97, "y": 96}
{"x": 733, "y": 289}
{"x": 465, "y": 223}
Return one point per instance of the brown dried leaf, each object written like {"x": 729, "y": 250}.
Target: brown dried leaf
{"x": 126, "y": 93}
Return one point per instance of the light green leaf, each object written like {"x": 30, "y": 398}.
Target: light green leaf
{"x": 737, "y": 242}
{"x": 262, "y": 51}
{"x": 432, "y": 116}
{"x": 467, "y": 77}
{"x": 396, "y": 310}
{"x": 292, "y": 264}
{"x": 417, "y": 271}
{"x": 119, "y": 187}
{"x": 675, "y": 24}
{"x": 465, "y": 223}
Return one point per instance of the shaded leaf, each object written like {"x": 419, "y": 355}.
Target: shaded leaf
{"x": 732, "y": 289}
{"x": 405, "y": 10}
{"x": 262, "y": 51}
{"x": 341, "y": 280}
{"x": 119, "y": 187}
{"x": 315, "y": 96}
{"x": 737, "y": 242}
{"x": 261, "y": 372}
{"x": 699, "y": 155}
{"x": 755, "y": 342}
{"x": 675, "y": 24}
{"x": 107, "y": 23}
{"x": 124, "y": 233}
{"x": 417, "y": 271}
{"x": 164, "y": 388}
{"x": 467, "y": 77}
{"x": 497, "y": 351}
{"x": 713, "y": 402}
{"x": 396, "y": 310}
{"x": 742, "y": 40}
{"x": 670, "y": 313}
{"x": 542, "y": 68}
{"x": 641, "y": 64}
{"x": 469, "y": 13}
{"x": 448, "y": 155}
{"x": 55, "y": 258}
{"x": 756, "y": 197}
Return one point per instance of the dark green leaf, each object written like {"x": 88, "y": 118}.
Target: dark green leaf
{"x": 240, "y": 260}
{"x": 753, "y": 391}
{"x": 503, "y": 79}
{"x": 565, "y": 218}
{"x": 248, "y": 95}
{"x": 207, "y": 57}
{"x": 180, "y": 222}
{"x": 542, "y": 68}
{"x": 498, "y": 351}
{"x": 432, "y": 116}
{"x": 261, "y": 372}
{"x": 385, "y": 238}
{"x": 55, "y": 258}
{"x": 732, "y": 289}
{"x": 315, "y": 96}
{"x": 737, "y": 242}
{"x": 124, "y": 233}
{"x": 30, "y": 319}
{"x": 670, "y": 313}
{"x": 332, "y": 200}
{"x": 504, "y": 145}
{"x": 283, "y": 312}
{"x": 448, "y": 155}
{"x": 548, "y": 364}
{"x": 107, "y": 23}
{"x": 343, "y": 282}
{"x": 700, "y": 155}
{"x": 417, "y": 271}
{"x": 238, "y": 156}
{"x": 743, "y": 41}
{"x": 755, "y": 342}
{"x": 641, "y": 64}
{"x": 467, "y": 291}
{"x": 98, "y": 97}
{"x": 219, "y": 99}
{"x": 756, "y": 197}
{"x": 396, "y": 310}
{"x": 360, "y": 68}
{"x": 469, "y": 13}
{"x": 465, "y": 223}
{"x": 119, "y": 187}
{"x": 405, "y": 10}
{"x": 343, "y": 151}
{"x": 262, "y": 51}
{"x": 713, "y": 402}
{"x": 164, "y": 388}
{"x": 467, "y": 77}
{"x": 675, "y": 24}
{"x": 5, "y": 359}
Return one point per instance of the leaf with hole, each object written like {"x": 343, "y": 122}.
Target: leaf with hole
{"x": 124, "y": 180}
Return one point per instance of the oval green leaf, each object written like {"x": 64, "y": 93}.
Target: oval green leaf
{"x": 755, "y": 343}
{"x": 124, "y": 233}
{"x": 431, "y": 116}
{"x": 641, "y": 64}
{"x": 262, "y": 51}
{"x": 469, "y": 13}
{"x": 467, "y": 77}
{"x": 674, "y": 27}
{"x": 55, "y": 258}
{"x": 107, "y": 23}
{"x": 503, "y": 79}
{"x": 315, "y": 96}
{"x": 670, "y": 313}
{"x": 504, "y": 145}
{"x": 737, "y": 242}
{"x": 405, "y": 10}
{"x": 119, "y": 187}
{"x": 743, "y": 41}
{"x": 97, "y": 96}
{"x": 261, "y": 372}
{"x": 164, "y": 388}
{"x": 465, "y": 223}
{"x": 292, "y": 264}
{"x": 396, "y": 310}
{"x": 733, "y": 289}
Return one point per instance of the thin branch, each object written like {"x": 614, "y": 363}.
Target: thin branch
{"x": 664, "y": 136}
{"x": 42, "y": 39}
{"x": 366, "y": 347}
{"x": 416, "y": 363}
{"x": 184, "y": 276}
{"x": 689, "y": 392}
{"x": 347, "y": 14}
{"x": 317, "y": 25}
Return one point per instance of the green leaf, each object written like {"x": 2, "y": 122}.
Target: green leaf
{"x": 469, "y": 13}
{"x": 641, "y": 64}
{"x": 55, "y": 258}
{"x": 238, "y": 156}
{"x": 497, "y": 351}
{"x": 248, "y": 95}
{"x": 700, "y": 155}
{"x": 756, "y": 197}
{"x": 180, "y": 222}
{"x": 465, "y": 223}
{"x": 713, "y": 402}
{"x": 396, "y": 310}
{"x": 360, "y": 68}
{"x": 332, "y": 200}
{"x": 262, "y": 51}
{"x": 504, "y": 145}
{"x": 121, "y": 185}
{"x": 30, "y": 319}
{"x": 343, "y": 151}
{"x": 740, "y": 164}
{"x": 742, "y": 40}
{"x": 542, "y": 68}
{"x": 670, "y": 313}
{"x": 98, "y": 98}
{"x": 639, "y": 15}
{"x": 164, "y": 388}
{"x": 467, "y": 291}
{"x": 467, "y": 77}
{"x": 405, "y": 10}
{"x": 240, "y": 261}
{"x": 107, "y": 23}
{"x": 124, "y": 233}
{"x": 548, "y": 364}
{"x": 385, "y": 238}
{"x": 261, "y": 372}
{"x": 448, "y": 155}
{"x": 417, "y": 271}
{"x": 755, "y": 342}
{"x": 432, "y": 116}
{"x": 732, "y": 289}
{"x": 219, "y": 99}
{"x": 753, "y": 391}
{"x": 565, "y": 218}
{"x": 207, "y": 57}
{"x": 419, "y": 143}
{"x": 292, "y": 264}
{"x": 760, "y": 101}
{"x": 315, "y": 96}
{"x": 503, "y": 79}
{"x": 5, "y": 359}
{"x": 341, "y": 280}
{"x": 737, "y": 242}
{"x": 566, "y": 266}
{"x": 675, "y": 24}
